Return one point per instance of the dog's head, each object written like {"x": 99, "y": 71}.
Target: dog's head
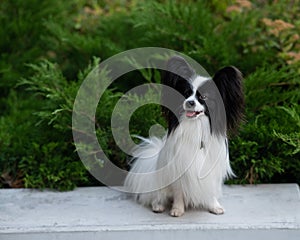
{"x": 219, "y": 98}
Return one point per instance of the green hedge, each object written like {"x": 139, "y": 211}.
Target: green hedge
{"x": 48, "y": 47}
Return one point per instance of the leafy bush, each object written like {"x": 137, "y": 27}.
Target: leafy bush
{"x": 262, "y": 153}
{"x": 49, "y": 47}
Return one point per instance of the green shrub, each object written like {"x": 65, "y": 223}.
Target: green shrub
{"x": 17, "y": 132}
{"x": 267, "y": 148}
{"x": 21, "y": 32}
{"x": 49, "y": 47}
{"x": 38, "y": 144}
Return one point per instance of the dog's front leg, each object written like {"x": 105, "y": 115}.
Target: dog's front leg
{"x": 159, "y": 201}
{"x": 158, "y": 206}
{"x": 216, "y": 207}
{"x": 178, "y": 203}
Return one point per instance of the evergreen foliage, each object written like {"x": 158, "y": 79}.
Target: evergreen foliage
{"x": 49, "y": 47}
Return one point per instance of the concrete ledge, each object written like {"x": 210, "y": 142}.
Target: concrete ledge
{"x": 260, "y": 212}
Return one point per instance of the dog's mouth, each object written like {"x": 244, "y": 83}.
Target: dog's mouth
{"x": 192, "y": 114}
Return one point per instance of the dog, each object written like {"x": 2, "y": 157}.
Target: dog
{"x": 187, "y": 167}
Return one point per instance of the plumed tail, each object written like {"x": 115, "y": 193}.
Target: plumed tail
{"x": 145, "y": 157}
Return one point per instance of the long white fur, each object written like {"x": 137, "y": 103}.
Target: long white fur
{"x": 197, "y": 160}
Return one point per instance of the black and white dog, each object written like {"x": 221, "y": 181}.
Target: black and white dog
{"x": 189, "y": 165}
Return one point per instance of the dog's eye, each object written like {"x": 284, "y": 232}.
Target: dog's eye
{"x": 202, "y": 97}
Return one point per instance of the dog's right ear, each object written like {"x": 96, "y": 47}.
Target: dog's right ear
{"x": 177, "y": 69}
{"x": 177, "y": 76}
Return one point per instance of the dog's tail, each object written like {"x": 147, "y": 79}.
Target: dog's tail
{"x": 141, "y": 177}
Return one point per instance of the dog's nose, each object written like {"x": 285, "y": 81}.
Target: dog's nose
{"x": 190, "y": 103}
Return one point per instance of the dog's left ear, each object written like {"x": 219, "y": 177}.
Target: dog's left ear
{"x": 229, "y": 82}
{"x": 178, "y": 66}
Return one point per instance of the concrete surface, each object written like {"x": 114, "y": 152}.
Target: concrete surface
{"x": 260, "y": 212}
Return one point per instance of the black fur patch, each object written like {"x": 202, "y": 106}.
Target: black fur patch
{"x": 229, "y": 82}
{"x": 214, "y": 107}
{"x": 178, "y": 77}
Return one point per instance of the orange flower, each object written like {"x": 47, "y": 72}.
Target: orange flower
{"x": 233, "y": 8}
{"x": 282, "y": 25}
{"x": 244, "y": 4}
{"x": 268, "y": 22}
{"x": 277, "y": 26}
{"x": 239, "y": 6}
{"x": 294, "y": 57}
{"x": 295, "y": 37}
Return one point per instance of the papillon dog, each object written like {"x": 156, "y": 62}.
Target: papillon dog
{"x": 188, "y": 166}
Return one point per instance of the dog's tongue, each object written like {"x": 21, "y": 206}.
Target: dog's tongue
{"x": 190, "y": 113}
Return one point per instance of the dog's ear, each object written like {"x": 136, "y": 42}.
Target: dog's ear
{"x": 229, "y": 82}
{"x": 177, "y": 76}
{"x": 177, "y": 69}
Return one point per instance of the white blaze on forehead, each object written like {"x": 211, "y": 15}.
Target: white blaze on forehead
{"x": 198, "y": 107}
{"x": 198, "y": 81}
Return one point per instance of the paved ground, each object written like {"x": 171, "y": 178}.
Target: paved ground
{"x": 260, "y": 212}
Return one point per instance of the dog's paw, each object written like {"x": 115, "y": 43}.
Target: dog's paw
{"x": 217, "y": 210}
{"x": 176, "y": 212}
{"x": 158, "y": 208}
